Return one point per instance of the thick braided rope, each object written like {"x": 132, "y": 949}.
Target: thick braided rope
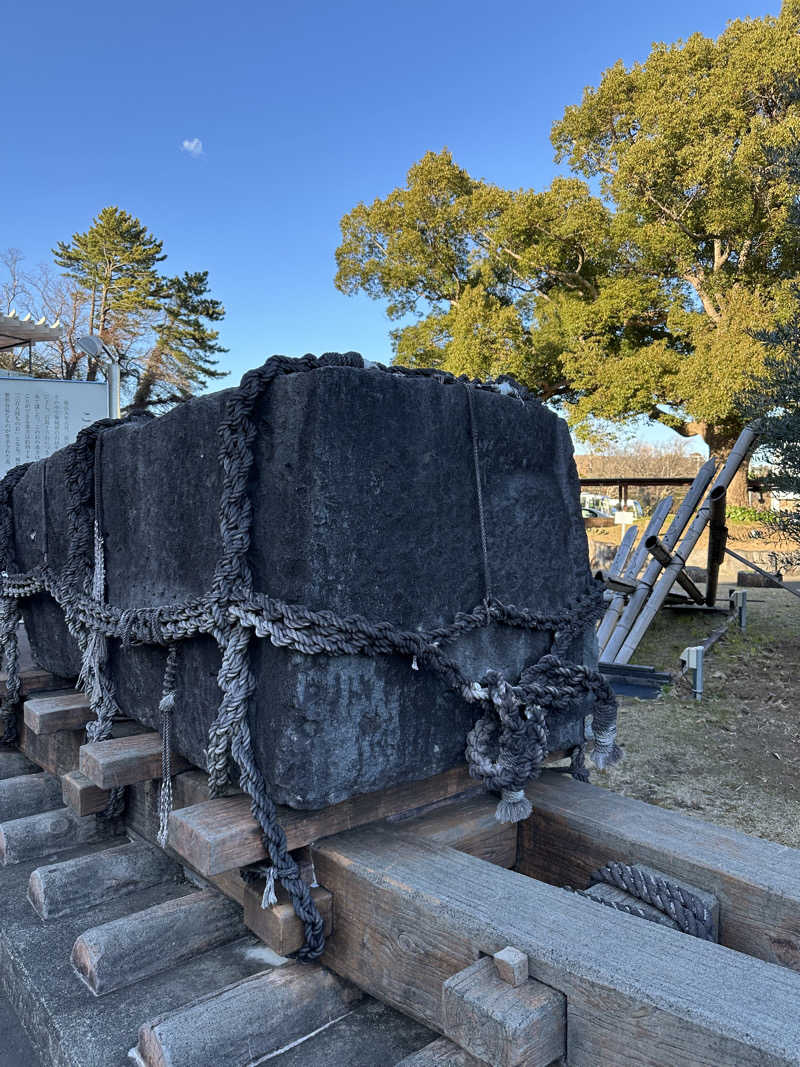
{"x": 683, "y": 907}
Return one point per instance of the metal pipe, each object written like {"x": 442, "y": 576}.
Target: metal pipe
{"x": 659, "y": 594}
{"x": 631, "y": 571}
{"x": 658, "y": 551}
{"x": 766, "y": 574}
{"x": 653, "y": 569}
{"x": 717, "y": 536}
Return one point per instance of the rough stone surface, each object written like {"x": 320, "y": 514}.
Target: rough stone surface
{"x": 364, "y": 501}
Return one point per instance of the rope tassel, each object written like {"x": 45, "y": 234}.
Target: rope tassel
{"x": 166, "y": 708}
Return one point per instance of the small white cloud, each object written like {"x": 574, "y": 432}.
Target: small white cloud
{"x": 194, "y": 147}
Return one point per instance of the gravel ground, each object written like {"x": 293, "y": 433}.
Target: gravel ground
{"x": 734, "y": 757}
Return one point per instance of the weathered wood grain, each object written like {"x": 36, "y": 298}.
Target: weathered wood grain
{"x": 13, "y": 764}
{"x": 86, "y": 881}
{"x": 511, "y": 965}
{"x": 410, "y": 913}
{"x": 125, "y": 760}
{"x": 468, "y": 824}
{"x": 35, "y": 680}
{"x": 49, "y": 832}
{"x": 28, "y": 794}
{"x": 247, "y": 1021}
{"x": 63, "y": 710}
{"x": 576, "y": 828}
{"x": 441, "y": 1053}
{"x": 81, "y": 795}
{"x": 126, "y": 950}
{"x": 56, "y": 753}
{"x": 504, "y": 1025}
{"x": 278, "y": 926}
{"x": 218, "y": 835}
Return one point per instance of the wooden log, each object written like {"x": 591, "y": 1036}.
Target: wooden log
{"x": 504, "y": 1025}
{"x": 410, "y": 913}
{"x": 62, "y": 710}
{"x": 218, "y": 835}
{"x": 278, "y": 926}
{"x": 86, "y": 881}
{"x": 441, "y": 1053}
{"x": 576, "y": 828}
{"x": 13, "y": 764}
{"x": 29, "y": 794}
{"x": 247, "y": 1021}
{"x": 49, "y": 832}
{"x": 81, "y": 795}
{"x": 125, "y": 760}
{"x": 137, "y": 946}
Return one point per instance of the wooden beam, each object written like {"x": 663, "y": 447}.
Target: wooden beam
{"x": 410, "y": 913}
{"x": 468, "y": 824}
{"x": 136, "y": 946}
{"x": 89, "y": 881}
{"x": 248, "y": 1021}
{"x": 35, "y": 680}
{"x": 218, "y": 835}
{"x": 81, "y": 795}
{"x": 55, "y": 753}
{"x": 29, "y": 794}
{"x": 13, "y": 764}
{"x": 503, "y": 1024}
{"x": 63, "y": 710}
{"x": 441, "y": 1053}
{"x": 125, "y": 760}
{"x": 576, "y": 828}
{"x": 49, "y": 832}
{"x": 278, "y": 926}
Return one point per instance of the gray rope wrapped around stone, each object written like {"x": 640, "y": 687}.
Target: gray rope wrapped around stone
{"x": 506, "y": 745}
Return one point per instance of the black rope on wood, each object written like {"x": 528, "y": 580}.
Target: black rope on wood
{"x": 670, "y": 898}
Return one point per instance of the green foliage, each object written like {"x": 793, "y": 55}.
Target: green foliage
{"x": 160, "y": 326}
{"x": 642, "y": 300}
{"x": 735, "y": 513}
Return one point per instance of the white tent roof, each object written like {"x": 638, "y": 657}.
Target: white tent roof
{"x": 15, "y": 331}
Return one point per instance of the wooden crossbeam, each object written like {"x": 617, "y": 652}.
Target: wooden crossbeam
{"x": 411, "y": 913}
{"x": 576, "y": 828}
{"x": 81, "y": 795}
{"x": 62, "y": 710}
{"x": 218, "y": 835}
{"x": 125, "y": 760}
{"x": 35, "y": 680}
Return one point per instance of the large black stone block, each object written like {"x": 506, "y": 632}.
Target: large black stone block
{"x": 364, "y": 501}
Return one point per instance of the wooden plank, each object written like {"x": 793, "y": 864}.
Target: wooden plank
{"x": 278, "y": 926}
{"x": 55, "y": 753}
{"x": 13, "y": 764}
{"x": 504, "y": 1025}
{"x": 62, "y": 710}
{"x": 218, "y": 835}
{"x": 81, "y": 795}
{"x": 468, "y": 824}
{"x": 49, "y": 832}
{"x": 441, "y": 1053}
{"x": 125, "y": 760}
{"x": 137, "y": 946}
{"x": 410, "y": 913}
{"x": 29, "y": 794}
{"x": 35, "y": 680}
{"x": 249, "y": 1021}
{"x": 576, "y": 828}
{"x": 87, "y": 881}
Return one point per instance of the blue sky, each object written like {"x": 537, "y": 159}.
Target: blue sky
{"x": 302, "y": 112}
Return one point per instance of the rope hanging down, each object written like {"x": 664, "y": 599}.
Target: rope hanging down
{"x": 509, "y": 739}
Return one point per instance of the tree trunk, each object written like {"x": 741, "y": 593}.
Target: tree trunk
{"x": 720, "y": 441}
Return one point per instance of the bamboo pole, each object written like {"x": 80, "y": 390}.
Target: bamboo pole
{"x": 635, "y": 564}
{"x": 668, "y": 578}
{"x": 653, "y": 569}
{"x": 717, "y": 536}
{"x": 656, "y": 549}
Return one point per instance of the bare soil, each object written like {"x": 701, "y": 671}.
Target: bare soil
{"x": 733, "y": 757}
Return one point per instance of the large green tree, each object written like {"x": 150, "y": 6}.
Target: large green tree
{"x": 633, "y": 288}
{"x": 160, "y": 327}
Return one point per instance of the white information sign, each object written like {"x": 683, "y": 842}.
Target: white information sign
{"x": 624, "y": 518}
{"x": 40, "y": 415}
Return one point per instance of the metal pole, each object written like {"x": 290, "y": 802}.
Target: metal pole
{"x": 669, "y": 577}
{"x": 113, "y": 387}
{"x": 631, "y": 571}
{"x": 766, "y": 574}
{"x": 717, "y": 536}
{"x": 650, "y": 576}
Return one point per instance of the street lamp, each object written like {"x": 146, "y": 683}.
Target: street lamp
{"x": 94, "y": 347}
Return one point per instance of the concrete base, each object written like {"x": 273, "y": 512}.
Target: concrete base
{"x": 69, "y": 1027}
